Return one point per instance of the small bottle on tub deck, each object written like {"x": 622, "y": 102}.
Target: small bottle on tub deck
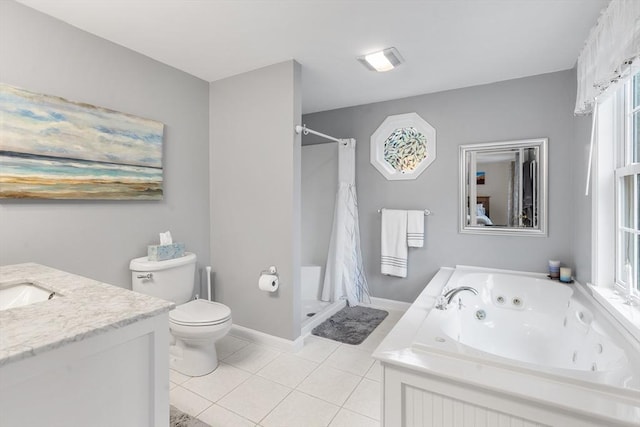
{"x": 554, "y": 269}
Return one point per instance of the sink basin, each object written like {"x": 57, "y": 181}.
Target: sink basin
{"x": 23, "y": 292}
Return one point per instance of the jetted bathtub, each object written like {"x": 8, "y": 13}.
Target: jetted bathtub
{"x": 523, "y": 351}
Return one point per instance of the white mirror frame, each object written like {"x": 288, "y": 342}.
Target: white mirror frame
{"x": 388, "y": 126}
{"x": 541, "y": 231}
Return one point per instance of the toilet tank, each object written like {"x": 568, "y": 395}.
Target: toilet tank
{"x": 171, "y": 280}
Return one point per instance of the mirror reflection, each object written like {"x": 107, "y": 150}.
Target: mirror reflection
{"x": 503, "y": 187}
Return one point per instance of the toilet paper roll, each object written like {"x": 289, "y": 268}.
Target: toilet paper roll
{"x": 268, "y": 282}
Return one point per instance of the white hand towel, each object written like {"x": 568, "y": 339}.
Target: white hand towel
{"x": 393, "y": 243}
{"x": 415, "y": 229}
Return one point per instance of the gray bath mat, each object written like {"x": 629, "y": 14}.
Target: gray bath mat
{"x": 351, "y": 325}
{"x": 178, "y": 418}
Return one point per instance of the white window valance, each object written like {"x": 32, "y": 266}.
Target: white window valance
{"x": 610, "y": 49}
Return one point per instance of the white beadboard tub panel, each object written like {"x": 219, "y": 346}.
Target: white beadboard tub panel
{"x": 426, "y": 409}
{"x": 417, "y": 400}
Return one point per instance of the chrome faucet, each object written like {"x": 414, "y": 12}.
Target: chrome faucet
{"x": 445, "y": 299}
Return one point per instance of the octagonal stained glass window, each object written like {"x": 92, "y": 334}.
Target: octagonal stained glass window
{"x": 403, "y": 146}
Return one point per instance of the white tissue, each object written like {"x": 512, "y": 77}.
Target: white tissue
{"x": 268, "y": 282}
{"x": 165, "y": 238}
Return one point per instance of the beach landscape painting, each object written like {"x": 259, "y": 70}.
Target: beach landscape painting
{"x": 52, "y": 148}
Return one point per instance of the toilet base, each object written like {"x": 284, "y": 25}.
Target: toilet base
{"x": 194, "y": 361}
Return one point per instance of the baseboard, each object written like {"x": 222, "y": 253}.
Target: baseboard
{"x": 261, "y": 338}
{"x": 321, "y": 317}
{"x": 388, "y": 304}
{"x": 291, "y": 346}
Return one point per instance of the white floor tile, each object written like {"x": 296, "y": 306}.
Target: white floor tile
{"x": 228, "y": 345}
{"x": 350, "y": 359}
{"x": 254, "y": 398}
{"x": 330, "y": 384}
{"x": 299, "y": 409}
{"x": 375, "y": 372}
{"x": 217, "y": 416}
{"x": 346, "y": 418}
{"x": 372, "y": 341}
{"x": 365, "y": 399}
{"x": 254, "y": 385}
{"x": 187, "y": 401}
{"x": 390, "y": 321}
{"x": 176, "y": 377}
{"x": 288, "y": 370}
{"x": 218, "y": 383}
{"x": 317, "y": 349}
{"x": 252, "y": 358}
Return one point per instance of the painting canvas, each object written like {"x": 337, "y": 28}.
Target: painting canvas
{"x": 52, "y": 148}
{"x": 480, "y": 178}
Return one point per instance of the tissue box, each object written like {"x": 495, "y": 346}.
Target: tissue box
{"x": 164, "y": 252}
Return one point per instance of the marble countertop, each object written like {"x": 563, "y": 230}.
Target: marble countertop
{"x": 81, "y": 308}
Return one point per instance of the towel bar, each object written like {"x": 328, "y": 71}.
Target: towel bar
{"x": 427, "y": 212}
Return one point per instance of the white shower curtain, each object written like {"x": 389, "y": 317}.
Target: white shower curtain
{"x": 344, "y": 276}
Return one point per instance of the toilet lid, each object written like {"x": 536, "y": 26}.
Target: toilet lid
{"x": 200, "y": 312}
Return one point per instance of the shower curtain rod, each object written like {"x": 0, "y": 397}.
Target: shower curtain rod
{"x": 305, "y": 131}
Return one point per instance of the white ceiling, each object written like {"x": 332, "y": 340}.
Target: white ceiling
{"x": 447, "y": 44}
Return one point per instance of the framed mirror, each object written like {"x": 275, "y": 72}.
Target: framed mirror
{"x": 503, "y": 188}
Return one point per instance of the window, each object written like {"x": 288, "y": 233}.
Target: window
{"x": 627, "y": 188}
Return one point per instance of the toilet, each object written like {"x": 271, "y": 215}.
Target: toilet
{"x": 195, "y": 324}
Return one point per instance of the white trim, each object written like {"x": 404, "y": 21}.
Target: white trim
{"x": 261, "y": 338}
{"x": 631, "y": 169}
{"x": 603, "y": 197}
{"x": 388, "y": 304}
{"x": 321, "y": 317}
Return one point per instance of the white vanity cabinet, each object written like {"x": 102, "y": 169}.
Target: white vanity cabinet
{"x": 95, "y": 355}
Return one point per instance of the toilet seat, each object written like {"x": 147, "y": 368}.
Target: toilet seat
{"x": 200, "y": 312}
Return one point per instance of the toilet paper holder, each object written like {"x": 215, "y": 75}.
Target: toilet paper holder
{"x": 269, "y": 280}
{"x": 271, "y": 270}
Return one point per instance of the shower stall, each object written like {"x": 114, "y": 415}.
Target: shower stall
{"x": 332, "y": 271}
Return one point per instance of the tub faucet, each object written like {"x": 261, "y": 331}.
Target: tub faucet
{"x": 445, "y": 299}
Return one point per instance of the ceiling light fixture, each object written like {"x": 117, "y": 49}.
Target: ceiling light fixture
{"x": 383, "y": 60}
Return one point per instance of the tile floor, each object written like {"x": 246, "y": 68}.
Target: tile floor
{"x": 326, "y": 383}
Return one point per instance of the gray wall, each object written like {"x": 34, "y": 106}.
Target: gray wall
{"x": 319, "y": 186}
{"x": 256, "y": 112}
{"x": 255, "y": 195}
{"x": 98, "y": 238}
{"x": 539, "y": 106}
